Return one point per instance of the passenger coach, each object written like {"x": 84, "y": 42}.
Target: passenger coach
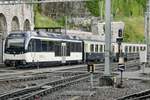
{"x": 23, "y": 49}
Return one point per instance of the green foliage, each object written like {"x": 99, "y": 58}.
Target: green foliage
{"x": 129, "y": 11}
{"x": 119, "y": 7}
{"x": 134, "y": 29}
{"x": 44, "y": 21}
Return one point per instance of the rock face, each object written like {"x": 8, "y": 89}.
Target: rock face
{"x": 59, "y": 9}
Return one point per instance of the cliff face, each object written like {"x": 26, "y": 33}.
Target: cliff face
{"x": 57, "y": 10}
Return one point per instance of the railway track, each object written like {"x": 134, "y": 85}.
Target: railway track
{"x": 43, "y": 75}
{"x": 37, "y": 76}
{"x": 43, "y": 89}
{"x": 144, "y": 95}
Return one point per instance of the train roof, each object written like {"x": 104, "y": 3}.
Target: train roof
{"x": 45, "y": 35}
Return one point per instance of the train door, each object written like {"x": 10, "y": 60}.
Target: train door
{"x": 63, "y": 52}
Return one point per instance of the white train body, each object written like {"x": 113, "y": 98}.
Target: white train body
{"x": 32, "y": 48}
{"x": 41, "y": 48}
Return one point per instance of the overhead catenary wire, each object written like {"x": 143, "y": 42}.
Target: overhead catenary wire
{"x": 16, "y": 2}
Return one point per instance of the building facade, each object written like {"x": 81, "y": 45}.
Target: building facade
{"x": 14, "y": 17}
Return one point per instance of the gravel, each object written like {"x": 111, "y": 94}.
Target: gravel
{"x": 6, "y": 87}
{"x": 100, "y": 93}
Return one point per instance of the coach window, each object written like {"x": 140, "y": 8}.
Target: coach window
{"x": 44, "y": 46}
{"x": 96, "y": 48}
{"x": 68, "y": 48}
{"x": 38, "y": 45}
{"x": 50, "y": 45}
{"x": 72, "y": 47}
{"x": 31, "y": 46}
{"x": 140, "y": 48}
{"x": 134, "y": 49}
{"x": 101, "y": 48}
{"x": 57, "y": 49}
{"x": 92, "y": 48}
{"x": 126, "y": 49}
{"x": 79, "y": 47}
{"x": 137, "y": 49}
{"x": 130, "y": 48}
{"x": 144, "y": 48}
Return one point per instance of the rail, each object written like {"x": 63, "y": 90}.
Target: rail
{"x": 43, "y": 89}
{"x": 137, "y": 96}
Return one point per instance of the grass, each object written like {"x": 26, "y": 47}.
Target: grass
{"x": 134, "y": 29}
{"x": 44, "y": 21}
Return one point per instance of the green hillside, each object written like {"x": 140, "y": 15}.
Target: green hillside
{"x": 129, "y": 11}
{"x": 41, "y": 20}
{"x": 134, "y": 29}
{"x": 119, "y": 7}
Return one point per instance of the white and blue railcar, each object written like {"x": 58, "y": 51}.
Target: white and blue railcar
{"x": 31, "y": 48}
{"x": 131, "y": 50}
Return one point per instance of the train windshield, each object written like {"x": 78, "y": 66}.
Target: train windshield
{"x": 15, "y": 45}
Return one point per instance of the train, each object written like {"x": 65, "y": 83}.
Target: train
{"x": 37, "y": 48}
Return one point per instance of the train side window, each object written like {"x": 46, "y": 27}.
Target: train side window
{"x": 92, "y": 48}
{"x": 79, "y": 47}
{"x": 141, "y": 48}
{"x": 130, "y": 48}
{"x": 50, "y": 46}
{"x": 134, "y": 49}
{"x": 144, "y": 48}
{"x": 31, "y": 46}
{"x": 57, "y": 48}
{"x": 38, "y": 45}
{"x": 137, "y": 49}
{"x": 101, "y": 48}
{"x": 96, "y": 48}
{"x": 44, "y": 45}
{"x": 73, "y": 47}
{"x": 126, "y": 49}
{"x": 68, "y": 48}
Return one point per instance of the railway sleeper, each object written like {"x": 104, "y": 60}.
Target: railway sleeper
{"x": 53, "y": 89}
{"x": 135, "y": 95}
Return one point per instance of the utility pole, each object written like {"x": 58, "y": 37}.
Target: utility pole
{"x": 100, "y": 9}
{"x": 15, "y": 2}
{"x": 66, "y": 18}
{"x": 107, "y": 37}
{"x": 147, "y": 26}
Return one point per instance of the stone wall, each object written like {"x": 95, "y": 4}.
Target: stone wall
{"x": 15, "y": 18}
{"x": 22, "y": 12}
{"x": 57, "y": 10}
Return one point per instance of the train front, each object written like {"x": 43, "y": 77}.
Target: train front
{"x": 14, "y": 49}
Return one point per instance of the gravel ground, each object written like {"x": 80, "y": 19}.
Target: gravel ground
{"x": 82, "y": 91}
{"x": 9, "y": 86}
